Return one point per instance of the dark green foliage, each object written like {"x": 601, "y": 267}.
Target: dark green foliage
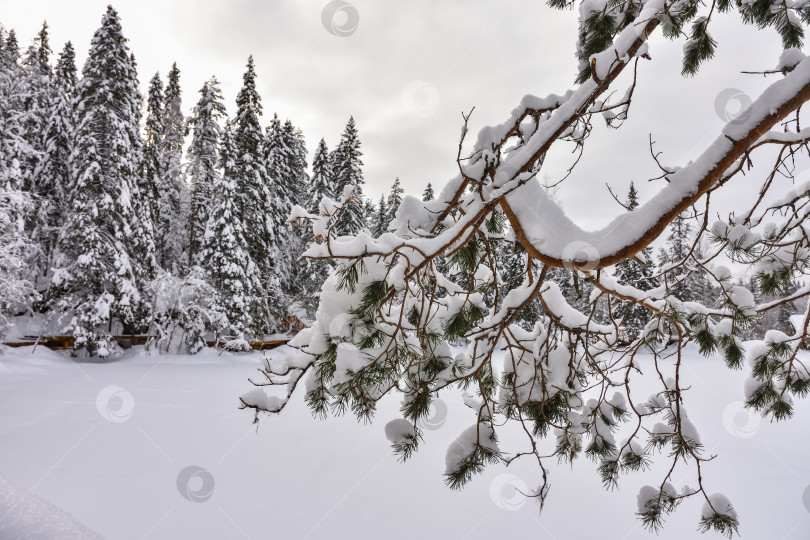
{"x": 428, "y": 195}
{"x": 655, "y": 509}
{"x": 496, "y": 222}
{"x": 725, "y": 524}
{"x": 417, "y": 406}
{"x": 595, "y": 35}
{"x": 543, "y": 414}
{"x": 733, "y": 353}
{"x": 463, "y": 321}
{"x": 467, "y": 258}
{"x": 373, "y": 296}
{"x": 775, "y": 283}
{"x": 405, "y": 449}
{"x": 350, "y": 275}
{"x": 473, "y": 464}
{"x": 699, "y": 48}
{"x": 763, "y": 13}
{"x": 560, "y": 4}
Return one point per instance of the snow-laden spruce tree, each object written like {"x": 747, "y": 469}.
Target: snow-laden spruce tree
{"x": 54, "y": 184}
{"x": 106, "y": 249}
{"x": 252, "y": 197}
{"x": 37, "y": 73}
{"x": 393, "y": 202}
{"x": 346, "y": 167}
{"x": 428, "y": 194}
{"x": 203, "y": 162}
{"x": 225, "y": 253}
{"x": 16, "y": 152}
{"x": 283, "y": 188}
{"x": 151, "y": 177}
{"x": 320, "y": 188}
{"x": 15, "y": 249}
{"x": 171, "y": 234}
{"x": 322, "y": 182}
{"x": 638, "y": 272}
{"x": 9, "y": 50}
{"x": 389, "y": 314}
{"x": 380, "y": 221}
{"x": 294, "y": 187}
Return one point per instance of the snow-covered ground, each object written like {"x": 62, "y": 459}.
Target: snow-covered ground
{"x": 155, "y": 447}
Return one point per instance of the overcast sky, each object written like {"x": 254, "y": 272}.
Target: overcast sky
{"x": 407, "y": 70}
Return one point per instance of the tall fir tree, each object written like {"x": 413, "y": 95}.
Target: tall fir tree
{"x": 292, "y": 139}
{"x": 278, "y": 160}
{"x": 43, "y": 48}
{"x": 322, "y": 183}
{"x": 37, "y": 111}
{"x": 347, "y": 167}
{"x": 253, "y": 197}
{"x": 641, "y": 276}
{"x": 203, "y": 160}
{"x": 428, "y": 194}
{"x": 380, "y": 218}
{"x": 152, "y": 163}
{"x": 393, "y": 202}
{"x": 15, "y": 153}
{"x": 11, "y": 51}
{"x": 54, "y": 183}
{"x": 284, "y": 186}
{"x": 15, "y": 150}
{"x": 225, "y": 253}
{"x": 172, "y": 204}
{"x": 65, "y": 72}
{"x": 106, "y": 244}
{"x": 677, "y": 249}
{"x": 369, "y": 212}
{"x": 688, "y": 281}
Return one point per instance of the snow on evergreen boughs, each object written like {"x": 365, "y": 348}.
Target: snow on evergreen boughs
{"x": 346, "y": 164}
{"x": 322, "y": 182}
{"x": 226, "y": 254}
{"x": 106, "y": 244}
{"x": 203, "y": 162}
{"x": 15, "y": 249}
{"x": 150, "y": 180}
{"x": 380, "y": 219}
{"x": 393, "y": 202}
{"x": 10, "y": 53}
{"x": 184, "y": 311}
{"x": 172, "y": 203}
{"x": 54, "y": 185}
{"x": 428, "y": 194}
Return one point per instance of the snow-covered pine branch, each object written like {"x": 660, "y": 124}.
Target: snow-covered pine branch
{"x": 392, "y": 317}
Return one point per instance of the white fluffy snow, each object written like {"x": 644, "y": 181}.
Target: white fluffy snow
{"x": 297, "y": 477}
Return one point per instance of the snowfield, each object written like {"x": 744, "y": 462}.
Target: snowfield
{"x": 154, "y": 447}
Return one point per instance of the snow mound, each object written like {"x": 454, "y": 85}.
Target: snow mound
{"x": 27, "y": 517}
